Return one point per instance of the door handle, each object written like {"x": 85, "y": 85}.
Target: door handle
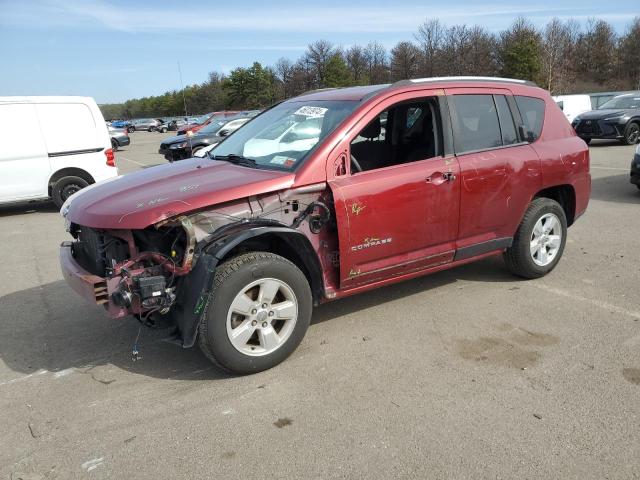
{"x": 438, "y": 178}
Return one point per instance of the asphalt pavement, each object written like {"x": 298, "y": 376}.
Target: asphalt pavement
{"x": 469, "y": 373}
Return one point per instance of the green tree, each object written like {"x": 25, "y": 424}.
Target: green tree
{"x": 253, "y": 87}
{"x": 520, "y": 51}
{"x": 337, "y": 72}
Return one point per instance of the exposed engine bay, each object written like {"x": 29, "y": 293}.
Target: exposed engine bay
{"x": 146, "y": 270}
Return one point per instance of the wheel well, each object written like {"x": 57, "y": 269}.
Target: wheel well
{"x": 294, "y": 247}
{"x": 69, "y": 172}
{"x": 565, "y": 195}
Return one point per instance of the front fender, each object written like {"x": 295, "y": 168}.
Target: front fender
{"x": 195, "y": 288}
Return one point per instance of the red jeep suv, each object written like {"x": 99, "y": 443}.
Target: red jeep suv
{"x": 328, "y": 194}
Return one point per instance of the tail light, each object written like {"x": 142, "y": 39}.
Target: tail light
{"x": 110, "y": 157}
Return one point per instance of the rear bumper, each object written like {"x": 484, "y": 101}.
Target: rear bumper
{"x": 92, "y": 288}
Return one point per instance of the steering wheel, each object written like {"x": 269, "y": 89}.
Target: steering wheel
{"x": 354, "y": 163}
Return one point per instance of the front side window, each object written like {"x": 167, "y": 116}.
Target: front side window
{"x": 475, "y": 123}
{"x": 281, "y": 137}
{"x": 406, "y": 132}
{"x": 532, "y": 113}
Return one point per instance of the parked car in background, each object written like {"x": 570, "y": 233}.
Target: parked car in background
{"x": 146, "y": 124}
{"x": 119, "y": 138}
{"x": 573, "y": 105}
{"x": 599, "y": 98}
{"x": 635, "y": 168}
{"x": 619, "y": 119}
{"x": 40, "y": 159}
{"x": 200, "y": 122}
{"x": 236, "y": 250}
{"x": 120, "y": 123}
{"x": 186, "y": 146}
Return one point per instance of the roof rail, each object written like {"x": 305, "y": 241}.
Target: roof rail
{"x": 464, "y": 79}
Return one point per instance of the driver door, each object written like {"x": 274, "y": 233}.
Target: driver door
{"x": 397, "y": 201}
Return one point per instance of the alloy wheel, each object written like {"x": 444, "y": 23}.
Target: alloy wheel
{"x": 262, "y": 317}
{"x": 546, "y": 239}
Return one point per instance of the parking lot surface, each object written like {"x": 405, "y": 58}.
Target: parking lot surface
{"x": 469, "y": 373}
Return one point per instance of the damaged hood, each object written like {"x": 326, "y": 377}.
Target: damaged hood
{"x": 140, "y": 199}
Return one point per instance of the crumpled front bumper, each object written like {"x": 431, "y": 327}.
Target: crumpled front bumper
{"x": 91, "y": 287}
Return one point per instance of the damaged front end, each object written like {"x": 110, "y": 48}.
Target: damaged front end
{"x": 163, "y": 274}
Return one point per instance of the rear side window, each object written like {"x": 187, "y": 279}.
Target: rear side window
{"x": 508, "y": 128}
{"x": 475, "y": 123}
{"x": 532, "y": 112}
{"x": 57, "y": 120}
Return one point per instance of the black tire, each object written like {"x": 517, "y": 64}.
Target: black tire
{"x": 196, "y": 149}
{"x": 163, "y": 130}
{"x": 132, "y": 128}
{"x": 114, "y": 144}
{"x": 150, "y": 129}
{"x": 230, "y": 278}
{"x": 631, "y": 133}
{"x": 586, "y": 140}
{"x": 65, "y": 187}
{"x": 518, "y": 257}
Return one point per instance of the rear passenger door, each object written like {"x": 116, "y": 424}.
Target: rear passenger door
{"x": 498, "y": 169}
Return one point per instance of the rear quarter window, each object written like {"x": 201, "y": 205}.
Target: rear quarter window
{"x": 532, "y": 113}
{"x": 68, "y": 127}
{"x": 475, "y": 122}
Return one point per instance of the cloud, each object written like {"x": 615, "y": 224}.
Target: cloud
{"x": 156, "y": 17}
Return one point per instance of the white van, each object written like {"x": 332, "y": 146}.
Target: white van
{"x": 573, "y": 105}
{"x": 51, "y": 147}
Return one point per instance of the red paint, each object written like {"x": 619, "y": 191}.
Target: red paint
{"x": 427, "y": 218}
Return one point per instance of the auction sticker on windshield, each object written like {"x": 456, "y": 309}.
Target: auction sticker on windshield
{"x": 282, "y": 160}
{"x": 308, "y": 111}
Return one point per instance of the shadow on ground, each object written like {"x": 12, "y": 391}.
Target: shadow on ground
{"x": 51, "y": 328}
{"x": 615, "y": 188}
{"x": 24, "y": 208}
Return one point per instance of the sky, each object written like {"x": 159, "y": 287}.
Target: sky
{"x": 114, "y": 50}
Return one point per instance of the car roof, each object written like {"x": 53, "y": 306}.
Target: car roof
{"x": 362, "y": 93}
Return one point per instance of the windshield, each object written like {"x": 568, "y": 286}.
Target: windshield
{"x": 281, "y": 137}
{"x": 621, "y": 102}
{"x": 213, "y": 127}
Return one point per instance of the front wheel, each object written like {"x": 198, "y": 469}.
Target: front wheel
{"x": 258, "y": 313}
{"x": 132, "y": 128}
{"x": 539, "y": 241}
{"x": 65, "y": 187}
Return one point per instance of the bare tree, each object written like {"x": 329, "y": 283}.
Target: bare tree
{"x": 430, "y": 37}
{"x": 630, "y": 54}
{"x": 558, "y": 42}
{"x": 404, "y": 61}
{"x": 357, "y": 63}
{"x": 376, "y": 57}
{"x": 318, "y": 55}
{"x": 596, "y": 51}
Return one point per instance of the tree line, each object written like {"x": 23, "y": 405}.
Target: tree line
{"x": 564, "y": 57}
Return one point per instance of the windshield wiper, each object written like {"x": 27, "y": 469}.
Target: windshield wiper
{"x": 236, "y": 159}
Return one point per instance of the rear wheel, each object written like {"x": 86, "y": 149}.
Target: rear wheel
{"x": 65, "y": 187}
{"x": 132, "y": 128}
{"x": 631, "y": 134}
{"x": 258, "y": 313}
{"x": 539, "y": 241}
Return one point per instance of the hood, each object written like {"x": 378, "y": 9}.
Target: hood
{"x": 174, "y": 139}
{"x": 600, "y": 114}
{"x": 140, "y": 199}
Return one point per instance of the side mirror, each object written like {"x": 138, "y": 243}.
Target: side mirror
{"x": 223, "y": 133}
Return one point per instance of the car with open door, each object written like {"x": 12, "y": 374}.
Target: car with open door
{"x": 375, "y": 185}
